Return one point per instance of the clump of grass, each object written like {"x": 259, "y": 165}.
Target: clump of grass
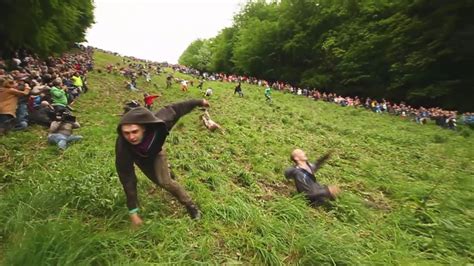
{"x": 439, "y": 139}
{"x": 465, "y": 132}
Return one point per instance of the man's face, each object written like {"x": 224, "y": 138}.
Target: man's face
{"x": 133, "y": 133}
{"x": 299, "y": 155}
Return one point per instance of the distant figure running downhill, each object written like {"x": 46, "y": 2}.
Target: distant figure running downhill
{"x": 268, "y": 93}
{"x": 149, "y": 99}
{"x": 184, "y": 85}
{"x": 238, "y": 89}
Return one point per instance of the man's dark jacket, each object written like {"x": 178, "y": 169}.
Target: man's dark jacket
{"x": 126, "y": 155}
{"x": 306, "y": 182}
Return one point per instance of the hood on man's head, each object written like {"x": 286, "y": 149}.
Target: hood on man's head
{"x": 139, "y": 115}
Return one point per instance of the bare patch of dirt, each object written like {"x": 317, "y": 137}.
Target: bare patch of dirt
{"x": 377, "y": 201}
{"x": 270, "y": 190}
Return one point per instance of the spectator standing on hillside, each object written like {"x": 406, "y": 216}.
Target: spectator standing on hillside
{"x": 141, "y": 136}
{"x": 304, "y": 172}
{"x": 21, "y": 120}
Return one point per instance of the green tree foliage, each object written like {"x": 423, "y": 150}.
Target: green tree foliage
{"x": 197, "y": 55}
{"x": 44, "y": 26}
{"x": 221, "y": 51}
{"x": 414, "y": 51}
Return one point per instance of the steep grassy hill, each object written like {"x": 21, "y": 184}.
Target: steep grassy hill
{"x": 407, "y": 189}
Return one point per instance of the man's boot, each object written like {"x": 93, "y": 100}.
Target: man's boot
{"x": 193, "y": 211}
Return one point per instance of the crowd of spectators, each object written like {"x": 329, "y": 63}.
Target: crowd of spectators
{"x": 421, "y": 115}
{"x": 43, "y": 92}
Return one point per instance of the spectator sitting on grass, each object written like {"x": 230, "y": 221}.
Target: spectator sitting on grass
{"x": 77, "y": 82}
{"x": 9, "y": 95}
{"x": 60, "y": 130}
{"x": 42, "y": 114}
{"x": 304, "y": 175}
{"x": 21, "y": 120}
{"x": 58, "y": 95}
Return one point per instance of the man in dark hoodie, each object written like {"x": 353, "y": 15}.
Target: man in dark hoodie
{"x": 141, "y": 138}
{"x": 303, "y": 173}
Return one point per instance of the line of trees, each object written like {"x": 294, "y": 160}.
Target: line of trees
{"x": 418, "y": 51}
{"x": 43, "y": 26}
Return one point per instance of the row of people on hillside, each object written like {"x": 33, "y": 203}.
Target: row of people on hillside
{"x": 443, "y": 118}
{"x": 421, "y": 115}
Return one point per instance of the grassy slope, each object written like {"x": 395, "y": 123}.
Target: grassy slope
{"x": 408, "y": 189}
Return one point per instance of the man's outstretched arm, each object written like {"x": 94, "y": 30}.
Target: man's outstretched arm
{"x": 319, "y": 162}
{"x": 172, "y": 113}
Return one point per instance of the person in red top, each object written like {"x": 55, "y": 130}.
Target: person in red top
{"x": 149, "y": 99}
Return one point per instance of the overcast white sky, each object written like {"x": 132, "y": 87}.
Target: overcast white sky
{"x": 158, "y": 30}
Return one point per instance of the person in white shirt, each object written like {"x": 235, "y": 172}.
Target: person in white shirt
{"x": 208, "y": 92}
{"x": 184, "y": 85}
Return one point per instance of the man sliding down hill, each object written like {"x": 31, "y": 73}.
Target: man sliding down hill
{"x": 141, "y": 138}
{"x": 305, "y": 181}
{"x": 209, "y": 123}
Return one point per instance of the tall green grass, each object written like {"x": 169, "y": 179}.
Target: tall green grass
{"x": 407, "y": 189}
